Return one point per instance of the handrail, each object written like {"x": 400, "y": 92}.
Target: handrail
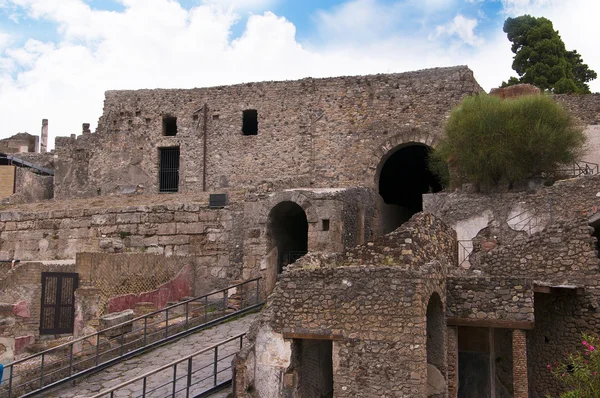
{"x": 169, "y": 365}
{"x": 122, "y": 324}
{"x": 73, "y": 359}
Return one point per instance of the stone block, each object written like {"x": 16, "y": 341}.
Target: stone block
{"x": 114, "y": 319}
{"x": 193, "y": 228}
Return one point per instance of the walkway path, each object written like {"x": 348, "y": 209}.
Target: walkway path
{"x": 154, "y": 359}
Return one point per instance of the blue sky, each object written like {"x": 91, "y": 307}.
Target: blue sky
{"x": 57, "y": 57}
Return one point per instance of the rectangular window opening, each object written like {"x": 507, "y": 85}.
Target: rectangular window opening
{"x": 250, "y": 122}
{"x": 168, "y": 169}
{"x": 325, "y": 223}
{"x": 169, "y": 126}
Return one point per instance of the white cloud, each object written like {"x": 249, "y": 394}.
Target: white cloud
{"x": 243, "y": 4}
{"x": 4, "y": 40}
{"x": 463, "y": 28}
{"x": 157, "y": 43}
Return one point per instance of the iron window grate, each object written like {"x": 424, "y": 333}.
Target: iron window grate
{"x": 169, "y": 169}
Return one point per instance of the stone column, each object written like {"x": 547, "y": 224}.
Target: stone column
{"x": 520, "y": 378}
{"x": 452, "y": 361}
{"x": 85, "y": 127}
{"x": 87, "y": 313}
{"x": 44, "y": 141}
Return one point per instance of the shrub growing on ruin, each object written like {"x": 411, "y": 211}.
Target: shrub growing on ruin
{"x": 579, "y": 372}
{"x": 495, "y": 142}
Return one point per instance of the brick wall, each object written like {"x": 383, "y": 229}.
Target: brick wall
{"x": 520, "y": 378}
{"x": 21, "y": 288}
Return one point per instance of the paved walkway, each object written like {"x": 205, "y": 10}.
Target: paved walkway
{"x": 154, "y": 359}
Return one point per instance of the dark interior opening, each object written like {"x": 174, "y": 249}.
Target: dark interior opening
{"x": 288, "y": 226}
{"x": 250, "y": 122}
{"x": 404, "y": 178}
{"x": 596, "y": 234}
{"x": 325, "y": 224}
{"x": 435, "y": 331}
{"x": 314, "y": 366}
{"x": 168, "y": 169}
{"x": 169, "y": 126}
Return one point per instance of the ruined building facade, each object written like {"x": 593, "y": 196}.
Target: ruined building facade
{"x": 203, "y": 187}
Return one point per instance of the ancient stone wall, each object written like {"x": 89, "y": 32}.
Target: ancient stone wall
{"x": 21, "y": 142}
{"x": 180, "y": 229}
{"x": 306, "y": 129}
{"x": 30, "y": 187}
{"x": 543, "y": 236}
{"x": 374, "y": 308}
{"x": 585, "y": 108}
{"x": 492, "y": 299}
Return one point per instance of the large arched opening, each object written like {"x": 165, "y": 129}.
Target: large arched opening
{"x": 436, "y": 347}
{"x": 288, "y": 234}
{"x": 404, "y": 177}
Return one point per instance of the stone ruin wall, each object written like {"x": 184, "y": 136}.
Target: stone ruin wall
{"x": 560, "y": 250}
{"x": 20, "y": 306}
{"x": 168, "y": 229}
{"x": 306, "y": 129}
{"x": 379, "y": 341}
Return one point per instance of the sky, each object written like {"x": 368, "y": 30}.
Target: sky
{"x": 58, "y": 57}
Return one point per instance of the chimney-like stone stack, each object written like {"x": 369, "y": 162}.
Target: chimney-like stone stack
{"x": 44, "y": 141}
{"x": 86, "y": 128}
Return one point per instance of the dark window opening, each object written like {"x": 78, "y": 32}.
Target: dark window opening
{"x": 403, "y": 180}
{"x": 169, "y": 126}
{"x": 215, "y": 117}
{"x": 169, "y": 169}
{"x": 596, "y": 234}
{"x": 195, "y": 117}
{"x": 325, "y": 225}
{"x": 138, "y": 113}
{"x": 250, "y": 122}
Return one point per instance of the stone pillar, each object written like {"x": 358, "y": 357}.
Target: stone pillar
{"x": 452, "y": 361}
{"x": 87, "y": 313}
{"x": 86, "y": 128}
{"x": 520, "y": 378}
{"x": 44, "y": 141}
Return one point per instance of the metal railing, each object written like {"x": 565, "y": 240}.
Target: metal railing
{"x": 197, "y": 375}
{"x": 47, "y": 369}
{"x": 576, "y": 169}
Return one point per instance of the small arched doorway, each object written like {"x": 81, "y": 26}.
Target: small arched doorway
{"x": 287, "y": 228}
{"x": 404, "y": 177}
{"x": 436, "y": 347}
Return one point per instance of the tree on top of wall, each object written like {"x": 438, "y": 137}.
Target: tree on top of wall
{"x": 541, "y": 58}
{"x": 493, "y": 142}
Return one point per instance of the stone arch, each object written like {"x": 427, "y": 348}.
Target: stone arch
{"x": 392, "y": 144}
{"x": 435, "y": 346}
{"x": 402, "y": 177}
{"x": 289, "y": 196}
{"x": 286, "y": 218}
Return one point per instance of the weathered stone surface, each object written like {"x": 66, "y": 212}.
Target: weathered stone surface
{"x": 116, "y": 318}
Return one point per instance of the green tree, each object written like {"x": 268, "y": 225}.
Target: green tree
{"x": 495, "y": 142}
{"x": 541, "y": 58}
